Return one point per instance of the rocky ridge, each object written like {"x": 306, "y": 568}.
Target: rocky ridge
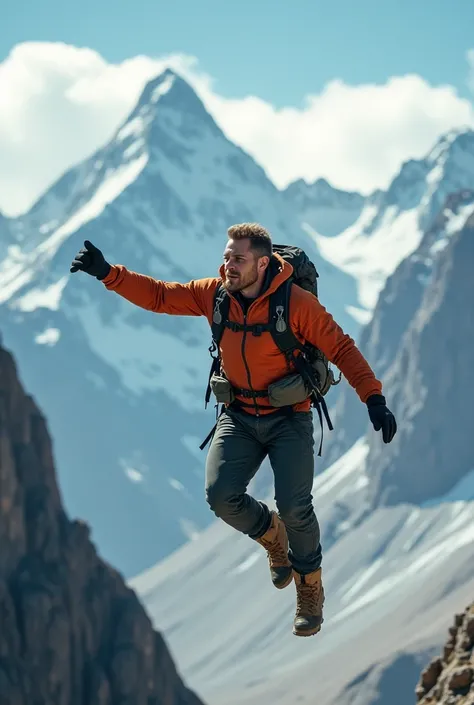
{"x": 71, "y": 630}
{"x": 449, "y": 678}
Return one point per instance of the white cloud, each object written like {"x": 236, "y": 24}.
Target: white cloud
{"x": 59, "y": 103}
{"x": 355, "y": 136}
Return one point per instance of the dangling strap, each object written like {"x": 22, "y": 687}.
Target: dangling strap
{"x": 322, "y": 401}
{"x": 211, "y": 433}
{"x": 214, "y": 368}
{"x": 318, "y": 400}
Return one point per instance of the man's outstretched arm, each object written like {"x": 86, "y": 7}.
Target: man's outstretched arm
{"x": 159, "y": 296}
{"x": 174, "y": 298}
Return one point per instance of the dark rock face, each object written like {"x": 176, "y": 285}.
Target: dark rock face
{"x": 71, "y": 631}
{"x": 449, "y": 678}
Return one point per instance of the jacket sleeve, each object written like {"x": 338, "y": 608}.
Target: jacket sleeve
{"x": 193, "y": 298}
{"x": 316, "y": 325}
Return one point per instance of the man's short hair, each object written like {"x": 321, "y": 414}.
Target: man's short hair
{"x": 260, "y": 239}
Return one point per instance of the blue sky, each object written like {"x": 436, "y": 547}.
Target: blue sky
{"x": 279, "y": 51}
{"x": 389, "y": 104}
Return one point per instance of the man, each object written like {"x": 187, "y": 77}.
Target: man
{"x": 246, "y": 432}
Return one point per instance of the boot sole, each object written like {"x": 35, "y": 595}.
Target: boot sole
{"x": 310, "y": 632}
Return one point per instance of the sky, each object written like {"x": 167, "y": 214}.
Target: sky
{"x": 346, "y": 92}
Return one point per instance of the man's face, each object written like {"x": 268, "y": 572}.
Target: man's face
{"x": 241, "y": 265}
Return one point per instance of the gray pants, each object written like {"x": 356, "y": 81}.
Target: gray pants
{"x": 239, "y": 445}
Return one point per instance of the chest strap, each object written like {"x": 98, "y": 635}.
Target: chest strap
{"x": 255, "y": 328}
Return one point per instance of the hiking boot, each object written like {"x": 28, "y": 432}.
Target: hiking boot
{"x": 275, "y": 541}
{"x": 309, "y": 603}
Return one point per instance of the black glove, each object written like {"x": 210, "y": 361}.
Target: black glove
{"x": 90, "y": 259}
{"x": 381, "y": 417}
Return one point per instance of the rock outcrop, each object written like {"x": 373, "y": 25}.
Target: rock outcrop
{"x": 449, "y": 678}
{"x": 71, "y": 631}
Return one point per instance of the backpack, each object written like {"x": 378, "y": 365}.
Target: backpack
{"x": 311, "y": 364}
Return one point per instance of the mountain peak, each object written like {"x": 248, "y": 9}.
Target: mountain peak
{"x": 166, "y": 124}
{"x": 158, "y": 86}
{"x": 171, "y": 88}
{"x": 321, "y": 188}
{"x": 424, "y": 184}
{"x": 169, "y": 119}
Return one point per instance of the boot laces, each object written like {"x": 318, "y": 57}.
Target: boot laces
{"x": 308, "y": 599}
{"x": 276, "y": 552}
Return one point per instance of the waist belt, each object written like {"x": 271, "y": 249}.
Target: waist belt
{"x": 249, "y": 394}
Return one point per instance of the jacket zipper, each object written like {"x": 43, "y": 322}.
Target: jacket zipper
{"x": 247, "y": 367}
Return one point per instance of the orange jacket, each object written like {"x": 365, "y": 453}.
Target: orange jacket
{"x": 309, "y": 319}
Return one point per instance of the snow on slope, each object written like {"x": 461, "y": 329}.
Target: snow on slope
{"x": 370, "y": 256}
{"x": 383, "y": 579}
{"x": 391, "y": 224}
{"x": 25, "y": 261}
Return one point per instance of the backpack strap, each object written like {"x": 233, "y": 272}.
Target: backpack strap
{"x": 281, "y": 330}
{"x": 288, "y": 343}
{"x": 220, "y": 320}
{"x": 221, "y": 306}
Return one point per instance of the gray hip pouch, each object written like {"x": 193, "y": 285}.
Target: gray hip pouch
{"x": 222, "y": 389}
{"x": 288, "y": 391}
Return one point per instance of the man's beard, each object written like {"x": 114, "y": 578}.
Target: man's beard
{"x": 241, "y": 282}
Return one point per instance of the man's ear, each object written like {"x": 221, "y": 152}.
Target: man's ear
{"x": 263, "y": 263}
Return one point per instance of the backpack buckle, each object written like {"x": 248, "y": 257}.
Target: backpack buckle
{"x": 280, "y": 324}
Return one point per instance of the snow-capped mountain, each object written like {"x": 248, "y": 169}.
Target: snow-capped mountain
{"x": 327, "y": 209}
{"x": 382, "y": 339}
{"x": 392, "y": 578}
{"x": 392, "y": 223}
{"x": 431, "y": 380}
{"x": 421, "y": 338}
{"x": 123, "y": 389}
